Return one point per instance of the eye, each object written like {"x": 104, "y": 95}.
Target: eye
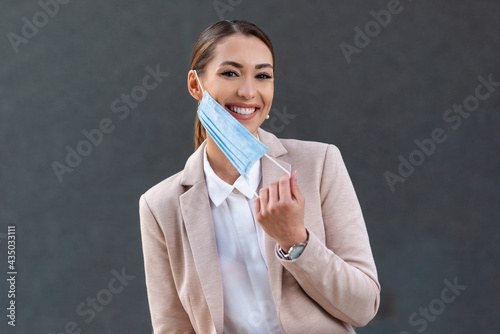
{"x": 263, "y": 76}
{"x": 229, "y": 74}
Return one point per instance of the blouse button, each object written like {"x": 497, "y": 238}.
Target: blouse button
{"x": 235, "y": 191}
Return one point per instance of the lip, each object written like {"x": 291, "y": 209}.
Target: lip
{"x": 242, "y": 105}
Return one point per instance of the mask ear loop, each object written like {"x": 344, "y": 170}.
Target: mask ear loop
{"x": 198, "y": 79}
{"x": 277, "y": 164}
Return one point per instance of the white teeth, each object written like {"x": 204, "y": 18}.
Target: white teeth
{"x": 243, "y": 111}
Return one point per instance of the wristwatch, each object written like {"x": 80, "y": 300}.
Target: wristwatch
{"x": 294, "y": 251}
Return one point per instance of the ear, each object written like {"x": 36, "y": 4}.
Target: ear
{"x": 193, "y": 86}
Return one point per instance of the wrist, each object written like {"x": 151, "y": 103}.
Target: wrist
{"x": 293, "y": 251}
{"x": 302, "y": 238}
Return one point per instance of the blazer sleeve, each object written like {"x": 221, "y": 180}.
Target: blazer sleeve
{"x": 167, "y": 313}
{"x": 340, "y": 274}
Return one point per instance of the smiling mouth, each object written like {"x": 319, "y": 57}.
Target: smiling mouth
{"x": 242, "y": 111}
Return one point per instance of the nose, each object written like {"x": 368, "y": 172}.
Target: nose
{"x": 247, "y": 89}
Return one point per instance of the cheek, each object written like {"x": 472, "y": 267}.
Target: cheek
{"x": 269, "y": 99}
{"x": 223, "y": 94}
{"x": 268, "y": 94}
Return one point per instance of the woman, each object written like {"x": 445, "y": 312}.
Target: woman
{"x": 296, "y": 259}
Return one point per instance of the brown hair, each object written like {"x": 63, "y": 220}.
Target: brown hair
{"x": 204, "y": 48}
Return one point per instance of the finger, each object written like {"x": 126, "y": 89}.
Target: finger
{"x": 256, "y": 205}
{"x": 284, "y": 188}
{"x": 273, "y": 193}
{"x": 295, "y": 186}
{"x": 264, "y": 199}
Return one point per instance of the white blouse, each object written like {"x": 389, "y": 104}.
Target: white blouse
{"x": 248, "y": 301}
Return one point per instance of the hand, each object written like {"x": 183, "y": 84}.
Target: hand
{"x": 280, "y": 211}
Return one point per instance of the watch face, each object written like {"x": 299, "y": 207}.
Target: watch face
{"x": 296, "y": 251}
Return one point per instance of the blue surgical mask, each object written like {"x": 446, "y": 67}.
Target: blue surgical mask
{"x": 238, "y": 144}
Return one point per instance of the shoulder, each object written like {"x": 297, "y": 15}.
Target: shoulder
{"x": 316, "y": 162}
{"x": 165, "y": 191}
{"x": 296, "y": 149}
{"x": 311, "y": 151}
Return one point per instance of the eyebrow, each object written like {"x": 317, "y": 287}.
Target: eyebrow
{"x": 238, "y": 65}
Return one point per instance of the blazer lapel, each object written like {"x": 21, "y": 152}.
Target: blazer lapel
{"x": 270, "y": 173}
{"x": 196, "y": 212}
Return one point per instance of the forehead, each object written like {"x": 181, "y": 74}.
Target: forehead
{"x": 246, "y": 50}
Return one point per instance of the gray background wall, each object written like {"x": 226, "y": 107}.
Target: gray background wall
{"x": 440, "y": 225}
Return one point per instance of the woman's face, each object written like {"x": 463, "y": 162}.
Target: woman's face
{"x": 241, "y": 78}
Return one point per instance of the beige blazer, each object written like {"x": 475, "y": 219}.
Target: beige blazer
{"x": 330, "y": 287}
